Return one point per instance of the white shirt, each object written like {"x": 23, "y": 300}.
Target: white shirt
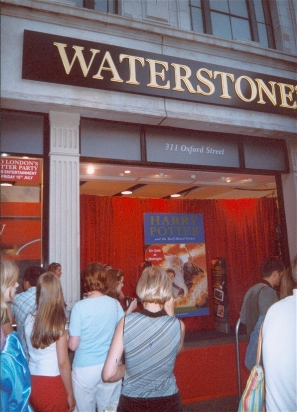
{"x": 279, "y": 355}
{"x": 42, "y": 362}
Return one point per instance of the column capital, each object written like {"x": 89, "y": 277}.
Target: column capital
{"x": 64, "y": 133}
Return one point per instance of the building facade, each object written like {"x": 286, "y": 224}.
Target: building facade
{"x": 221, "y": 67}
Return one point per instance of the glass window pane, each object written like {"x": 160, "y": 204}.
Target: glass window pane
{"x": 196, "y": 3}
{"x": 197, "y": 22}
{"x": 240, "y": 29}
{"x": 220, "y": 5}
{"x": 259, "y": 11}
{"x": 263, "y": 35}
{"x": 221, "y": 25}
{"x": 101, "y": 5}
{"x": 238, "y": 7}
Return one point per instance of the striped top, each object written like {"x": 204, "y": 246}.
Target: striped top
{"x": 151, "y": 341}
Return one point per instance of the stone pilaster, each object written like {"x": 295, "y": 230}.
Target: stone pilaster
{"x": 64, "y": 233}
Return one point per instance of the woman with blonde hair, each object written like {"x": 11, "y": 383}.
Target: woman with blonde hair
{"x": 46, "y": 337}
{"x": 15, "y": 376}
{"x": 150, "y": 341}
{"x": 9, "y": 285}
{"x": 92, "y": 324}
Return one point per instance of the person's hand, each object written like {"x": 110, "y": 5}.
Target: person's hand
{"x": 169, "y": 306}
{"x": 132, "y": 306}
{"x": 71, "y": 403}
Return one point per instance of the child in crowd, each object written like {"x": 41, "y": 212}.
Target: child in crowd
{"x": 115, "y": 283}
{"x": 46, "y": 337}
{"x": 15, "y": 375}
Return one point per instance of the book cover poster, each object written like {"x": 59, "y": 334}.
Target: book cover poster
{"x": 175, "y": 241}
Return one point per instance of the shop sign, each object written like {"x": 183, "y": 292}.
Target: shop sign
{"x": 63, "y": 60}
{"x": 190, "y": 148}
{"x": 17, "y": 169}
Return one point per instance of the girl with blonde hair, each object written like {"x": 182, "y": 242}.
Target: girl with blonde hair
{"x": 150, "y": 341}
{"x": 15, "y": 376}
{"x": 9, "y": 285}
{"x": 46, "y": 337}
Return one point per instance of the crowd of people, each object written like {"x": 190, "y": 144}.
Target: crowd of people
{"x": 124, "y": 358}
{"x": 37, "y": 374}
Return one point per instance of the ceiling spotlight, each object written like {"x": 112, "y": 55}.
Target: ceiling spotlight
{"x": 162, "y": 174}
{"x": 90, "y": 170}
{"x": 193, "y": 176}
{"x": 6, "y": 184}
{"x": 175, "y": 195}
{"x": 127, "y": 171}
{"x": 126, "y": 192}
{"x": 223, "y": 178}
{"x": 228, "y": 179}
{"x": 4, "y": 154}
{"x": 250, "y": 180}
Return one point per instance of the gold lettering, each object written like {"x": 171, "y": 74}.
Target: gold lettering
{"x": 78, "y": 54}
{"x": 287, "y": 95}
{"x": 132, "y": 66}
{"x": 205, "y": 81}
{"x": 154, "y": 74}
{"x": 111, "y": 67}
{"x": 263, "y": 88}
{"x": 179, "y": 78}
{"x": 252, "y": 86}
{"x": 224, "y": 77}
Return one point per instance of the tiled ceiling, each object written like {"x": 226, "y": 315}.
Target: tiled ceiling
{"x": 111, "y": 180}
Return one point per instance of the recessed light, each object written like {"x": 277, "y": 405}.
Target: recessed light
{"x": 6, "y": 184}
{"x": 90, "y": 170}
{"x": 4, "y": 154}
{"x": 162, "y": 174}
{"x": 228, "y": 179}
{"x": 126, "y": 192}
{"x": 193, "y": 176}
{"x": 127, "y": 171}
{"x": 175, "y": 195}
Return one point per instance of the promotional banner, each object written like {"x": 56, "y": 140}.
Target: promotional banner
{"x": 220, "y": 294}
{"x": 175, "y": 242}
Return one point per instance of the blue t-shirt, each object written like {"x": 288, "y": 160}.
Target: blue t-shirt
{"x": 94, "y": 320}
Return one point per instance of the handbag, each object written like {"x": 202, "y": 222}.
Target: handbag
{"x": 253, "y": 397}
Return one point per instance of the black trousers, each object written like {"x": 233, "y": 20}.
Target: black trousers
{"x": 170, "y": 403}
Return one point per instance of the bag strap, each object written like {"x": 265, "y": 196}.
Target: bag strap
{"x": 259, "y": 350}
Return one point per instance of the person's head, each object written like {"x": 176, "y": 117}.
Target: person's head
{"x": 272, "y": 270}
{"x": 50, "y": 317}
{"x": 56, "y": 268}
{"x": 154, "y": 286}
{"x": 114, "y": 282}
{"x": 31, "y": 275}
{"x": 171, "y": 273}
{"x": 94, "y": 278}
{"x": 9, "y": 284}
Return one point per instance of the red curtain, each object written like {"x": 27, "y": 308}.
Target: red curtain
{"x": 241, "y": 231}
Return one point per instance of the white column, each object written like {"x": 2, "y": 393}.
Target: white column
{"x": 289, "y": 183}
{"x": 64, "y": 233}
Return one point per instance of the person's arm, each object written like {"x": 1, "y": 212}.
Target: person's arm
{"x": 132, "y": 306}
{"x": 113, "y": 370}
{"x": 65, "y": 368}
{"x": 169, "y": 307}
{"x": 182, "y": 336}
{"x": 7, "y": 328}
{"x": 73, "y": 342}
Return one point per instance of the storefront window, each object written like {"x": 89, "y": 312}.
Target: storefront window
{"x": 21, "y": 210}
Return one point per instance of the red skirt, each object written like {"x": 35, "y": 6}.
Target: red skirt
{"x": 48, "y": 394}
